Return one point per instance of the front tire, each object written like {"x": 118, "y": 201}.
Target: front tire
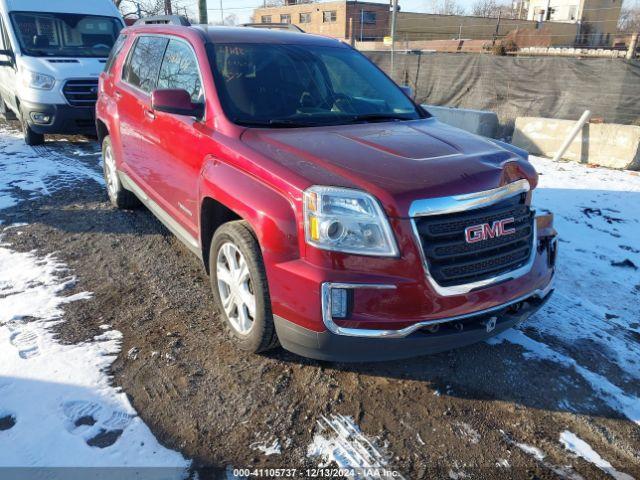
{"x": 240, "y": 287}
{"x": 31, "y": 138}
{"x": 119, "y": 196}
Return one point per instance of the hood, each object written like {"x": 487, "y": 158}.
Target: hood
{"x": 397, "y": 162}
{"x": 63, "y": 68}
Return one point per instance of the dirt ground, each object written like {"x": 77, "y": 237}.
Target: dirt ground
{"x": 459, "y": 414}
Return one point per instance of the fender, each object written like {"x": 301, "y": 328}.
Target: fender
{"x": 272, "y": 216}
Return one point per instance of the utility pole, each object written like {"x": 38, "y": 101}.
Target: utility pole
{"x": 394, "y": 7}
{"x": 221, "y": 13}
{"x": 202, "y": 12}
{"x": 352, "y": 37}
{"x": 495, "y": 35}
{"x": 633, "y": 46}
{"x": 167, "y": 7}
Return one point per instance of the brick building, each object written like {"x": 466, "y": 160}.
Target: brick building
{"x": 344, "y": 19}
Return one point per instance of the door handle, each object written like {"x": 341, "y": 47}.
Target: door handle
{"x": 117, "y": 94}
{"x": 150, "y": 114}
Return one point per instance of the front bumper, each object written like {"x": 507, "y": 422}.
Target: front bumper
{"x": 63, "y": 119}
{"x": 359, "y": 345}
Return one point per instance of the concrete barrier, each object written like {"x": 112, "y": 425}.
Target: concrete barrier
{"x": 479, "y": 122}
{"x": 606, "y": 144}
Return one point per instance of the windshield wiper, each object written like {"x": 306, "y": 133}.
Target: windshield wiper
{"x": 379, "y": 117}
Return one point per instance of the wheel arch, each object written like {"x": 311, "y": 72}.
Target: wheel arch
{"x": 102, "y": 130}
{"x": 228, "y": 193}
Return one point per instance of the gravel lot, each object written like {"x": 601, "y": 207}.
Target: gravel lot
{"x": 505, "y": 409}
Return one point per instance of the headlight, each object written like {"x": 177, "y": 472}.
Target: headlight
{"x": 37, "y": 80}
{"x": 345, "y": 220}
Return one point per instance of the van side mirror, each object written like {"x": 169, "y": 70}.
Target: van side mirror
{"x": 7, "y": 63}
{"x": 408, "y": 91}
{"x": 176, "y": 102}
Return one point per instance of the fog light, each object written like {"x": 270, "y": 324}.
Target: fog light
{"x": 339, "y": 303}
{"x": 40, "y": 118}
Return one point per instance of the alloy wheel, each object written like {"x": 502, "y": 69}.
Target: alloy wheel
{"x": 235, "y": 288}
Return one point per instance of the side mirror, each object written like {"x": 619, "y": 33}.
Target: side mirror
{"x": 408, "y": 91}
{"x": 7, "y": 63}
{"x": 177, "y": 102}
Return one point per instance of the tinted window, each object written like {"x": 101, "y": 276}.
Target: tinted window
{"x": 180, "y": 70}
{"x": 117, "y": 48}
{"x": 144, "y": 63}
{"x": 311, "y": 85}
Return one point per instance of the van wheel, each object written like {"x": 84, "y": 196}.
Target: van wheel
{"x": 6, "y": 112}
{"x": 31, "y": 138}
{"x": 240, "y": 287}
{"x": 118, "y": 195}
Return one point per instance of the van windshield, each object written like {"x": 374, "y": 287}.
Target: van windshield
{"x": 65, "y": 34}
{"x": 287, "y": 86}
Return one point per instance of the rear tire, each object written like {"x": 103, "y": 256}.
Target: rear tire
{"x": 240, "y": 287}
{"x": 119, "y": 196}
{"x": 31, "y": 138}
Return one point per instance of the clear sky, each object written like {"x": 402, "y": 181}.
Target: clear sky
{"x": 244, "y": 8}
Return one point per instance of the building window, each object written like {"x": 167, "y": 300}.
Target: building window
{"x": 329, "y": 16}
{"x": 368, "y": 17}
{"x": 266, "y": 19}
{"x": 305, "y": 18}
{"x": 285, "y": 18}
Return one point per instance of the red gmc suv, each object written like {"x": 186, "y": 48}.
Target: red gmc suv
{"x": 334, "y": 216}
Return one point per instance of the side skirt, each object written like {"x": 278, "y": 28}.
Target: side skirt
{"x": 183, "y": 235}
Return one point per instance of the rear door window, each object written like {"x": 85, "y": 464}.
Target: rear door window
{"x": 143, "y": 64}
{"x": 180, "y": 70}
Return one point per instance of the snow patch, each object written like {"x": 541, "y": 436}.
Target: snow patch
{"x": 32, "y": 171}
{"x": 595, "y": 213}
{"x": 582, "y": 449}
{"x": 267, "y": 447}
{"x": 339, "y": 440}
{"x": 67, "y": 412}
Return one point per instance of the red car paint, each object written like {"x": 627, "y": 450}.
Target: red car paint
{"x": 260, "y": 174}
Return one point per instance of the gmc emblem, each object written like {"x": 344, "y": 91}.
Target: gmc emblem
{"x": 484, "y": 231}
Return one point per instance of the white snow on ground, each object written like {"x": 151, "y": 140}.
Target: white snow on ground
{"x": 594, "y": 308}
{"x": 36, "y": 170}
{"x": 339, "y": 441}
{"x": 582, "y": 449}
{"x": 267, "y": 447}
{"x": 66, "y": 411}
{"x": 561, "y": 471}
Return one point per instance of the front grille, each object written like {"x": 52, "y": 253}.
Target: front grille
{"x": 452, "y": 261}
{"x": 81, "y": 93}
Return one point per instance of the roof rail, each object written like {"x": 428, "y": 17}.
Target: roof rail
{"x": 164, "y": 20}
{"x": 274, "y": 26}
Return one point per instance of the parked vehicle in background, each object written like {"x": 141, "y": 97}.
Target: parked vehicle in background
{"x": 334, "y": 215}
{"x": 51, "y": 54}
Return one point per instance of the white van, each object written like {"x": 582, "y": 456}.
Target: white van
{"x": 51, "y": 54}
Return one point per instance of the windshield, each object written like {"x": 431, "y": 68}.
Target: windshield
{"x": 65, "y": 34}
{"x": 297, "y": 86}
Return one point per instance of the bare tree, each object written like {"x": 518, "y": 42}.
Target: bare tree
{"x": 491, "y": 9}
{"x": 146, "y": 8}
{"x": 231, "y": 19}
{"x": 629, "y": 21}
{"x": 447, "y": 7}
